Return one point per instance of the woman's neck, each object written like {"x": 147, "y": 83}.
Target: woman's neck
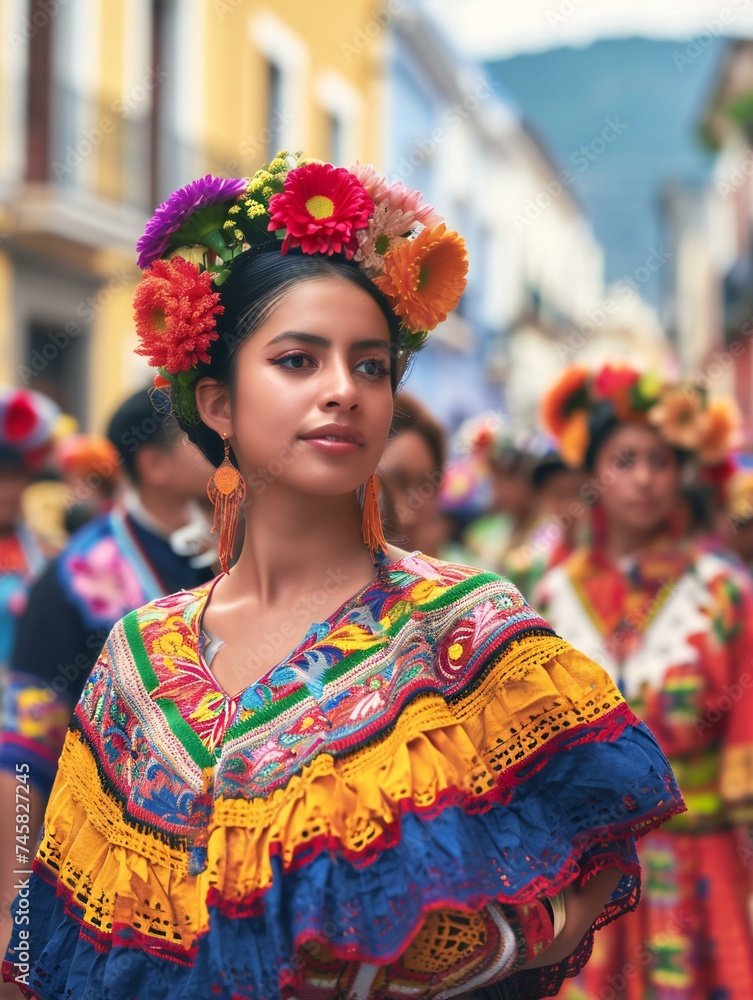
{"x": 622, "y": 540}
{"x": 295, "y": 544}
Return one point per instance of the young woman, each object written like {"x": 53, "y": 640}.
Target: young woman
{"x": 342, "y": 769}
{"x": 672, "y": 622}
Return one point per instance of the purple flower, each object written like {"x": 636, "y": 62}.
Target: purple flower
{"x": 179, "y": 207}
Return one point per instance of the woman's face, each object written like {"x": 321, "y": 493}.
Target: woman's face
{"x": 312, "y": 401}
{"x": 638, "y": 477}
{"x": 411, "y": 475}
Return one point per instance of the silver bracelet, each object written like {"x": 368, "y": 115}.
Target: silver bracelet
{"x": 557, "y": 903}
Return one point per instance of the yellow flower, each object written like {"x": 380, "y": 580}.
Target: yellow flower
{"x": 169, "y": 644}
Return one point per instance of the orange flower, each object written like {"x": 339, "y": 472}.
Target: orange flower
{"x": 568, "y": 394}
{"x": 80, "y": 455}
{"x": 425, "y": 277}
{"x": 175, "y": 309}
{"x": 574, "y": 439}
{"x": 679, "y": 416}
{"x": 719, "y": 429}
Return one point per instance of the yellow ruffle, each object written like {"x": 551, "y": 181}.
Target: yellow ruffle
{"x": 537, "y": 685}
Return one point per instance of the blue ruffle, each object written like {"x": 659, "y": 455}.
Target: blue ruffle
{"x": 582, "y": 808}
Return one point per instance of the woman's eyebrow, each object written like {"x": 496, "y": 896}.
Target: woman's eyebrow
{"x": 317, "y": 341}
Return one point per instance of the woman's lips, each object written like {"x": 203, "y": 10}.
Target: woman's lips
{"x": 332, "y": 446}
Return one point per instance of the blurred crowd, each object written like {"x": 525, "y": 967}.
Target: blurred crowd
{"x": 626, "y": 516}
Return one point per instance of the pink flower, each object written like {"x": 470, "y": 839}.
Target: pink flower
{"x": 399, "y": 198}
{"x": 376, "y": 186}
{"x": 393, "y": 198}
{"x": 382, "y": 235}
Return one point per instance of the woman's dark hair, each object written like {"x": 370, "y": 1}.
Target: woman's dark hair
{"x": 258, "y": 280}
{"x": 602, "y": 423}
{"x": 412, "y": 415}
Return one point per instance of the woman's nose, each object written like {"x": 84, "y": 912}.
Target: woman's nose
{"x": 339, "y": 387}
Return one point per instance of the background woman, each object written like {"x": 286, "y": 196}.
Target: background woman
{"x": 672, "y": 622}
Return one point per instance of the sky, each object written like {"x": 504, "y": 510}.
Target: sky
{"x": 494, "y": 29}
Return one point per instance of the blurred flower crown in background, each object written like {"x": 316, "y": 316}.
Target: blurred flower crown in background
{"x": 397, "y": 241}
{"x": 682, "y": 413}
{"x": 29, "y": 424}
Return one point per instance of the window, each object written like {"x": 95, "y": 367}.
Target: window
{"x": 275, "y": 110}
{"x": 39, "y": 95}
{"x": 336, "y": 139}
{"x": 162, "y": 148}
{"x": 55, "y": 364}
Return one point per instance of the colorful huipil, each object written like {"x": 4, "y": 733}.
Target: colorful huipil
{"x": 110, "y": 566}
{"x": 378, "y": 815}
{"x": 674, "y": 628}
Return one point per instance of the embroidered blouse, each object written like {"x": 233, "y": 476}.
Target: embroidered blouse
{"x": 377, "y": 815}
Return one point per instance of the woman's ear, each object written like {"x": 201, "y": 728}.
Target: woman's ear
{"x": 213, "y": 404}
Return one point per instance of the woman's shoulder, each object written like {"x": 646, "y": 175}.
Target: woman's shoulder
{"x": 448, "y": 572}
{"x": 176, "y": 611}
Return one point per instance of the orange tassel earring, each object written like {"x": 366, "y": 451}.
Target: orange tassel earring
{"x": 226, "y": 489}
{"x": 373, "y": 532}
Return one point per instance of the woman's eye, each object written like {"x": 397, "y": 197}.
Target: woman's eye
{"x": 293, "y": 361}
{"x": 624, "y": 460}
{"x": 374, "y": 367}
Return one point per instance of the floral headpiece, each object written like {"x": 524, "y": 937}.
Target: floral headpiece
{"x": 681, "y": 413}
{"x": 397, "y": 240}
{"x": 81, "y": 455}
{"x": 28, "y": 423}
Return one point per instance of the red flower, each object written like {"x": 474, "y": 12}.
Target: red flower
{"x": 175, "y": 314}
{"x": 321, "y": 207}
{"x": 21, "y": 418}
{"x": 615, "y": 383}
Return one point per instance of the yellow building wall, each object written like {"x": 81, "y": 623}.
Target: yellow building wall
{"x": 344, "y": 37}
{"x": 7, "y": 347}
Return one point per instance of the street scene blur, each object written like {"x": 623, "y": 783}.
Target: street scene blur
{"x": 582, "y": 423}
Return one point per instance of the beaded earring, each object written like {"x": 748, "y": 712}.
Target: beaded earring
{"x": 226, "y": 489}
{"x": 373, "y": 532}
